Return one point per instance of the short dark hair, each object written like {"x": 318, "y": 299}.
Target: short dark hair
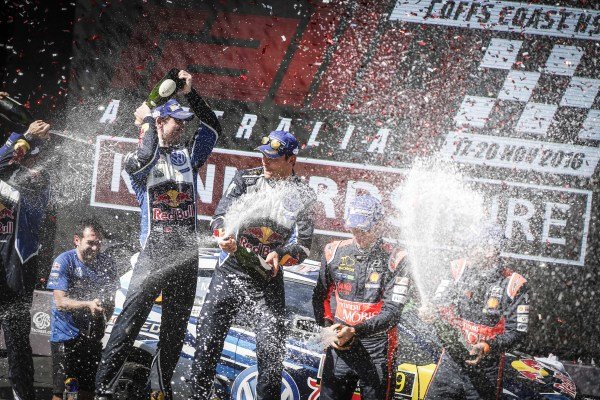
{"x": 91, "y": 223}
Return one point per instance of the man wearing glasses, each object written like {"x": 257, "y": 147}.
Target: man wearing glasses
{"x": 239, "y": 281}
{"x": 370, "y": 282}
{"x": 163, "y": 174}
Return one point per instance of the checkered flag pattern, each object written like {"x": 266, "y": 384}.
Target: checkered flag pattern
{"x": 534, "y": 101}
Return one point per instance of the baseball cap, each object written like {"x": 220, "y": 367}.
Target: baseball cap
{"x": 172, "y": 109}
{"x": 364, "y": 212}
{"x": 279, "y": 143}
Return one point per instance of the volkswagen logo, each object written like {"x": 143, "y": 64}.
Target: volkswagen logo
{"x": 244, "y": 386}
{"x": 178, "y": 158}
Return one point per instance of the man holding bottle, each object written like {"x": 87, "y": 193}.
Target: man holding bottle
{"x": 83, "y": 283}
{"x": 163, "y": 172}
{"x": 240, "y": 281}
{"x": 24, "y": 194}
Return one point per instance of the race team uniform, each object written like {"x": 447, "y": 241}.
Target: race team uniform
{"x": 76, "y": 335}
{"x": 371, "y": 288}
{"x": 24, "y": 195}
{"x": 237, "y": 283}
{"x": 489, "y": 305}
{"x": 164, "y": 180}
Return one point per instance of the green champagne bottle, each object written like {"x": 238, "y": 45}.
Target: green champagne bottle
{"x": 15, "y": 112}
{"x": 167, "y": 88}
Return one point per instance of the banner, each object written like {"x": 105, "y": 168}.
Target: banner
{"x": 554, "y": 230}
{"x": 509, "y": 90}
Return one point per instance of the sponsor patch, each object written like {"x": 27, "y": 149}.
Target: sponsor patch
{"x": 522, "y": 327}
{"x": 493, "y": 303}
{"x": 523, "y": 318}
{"x": 345, "y": 276}
{"x": 400, "y": 289}
{"x": 399, "y": 298}
{"x": 402, "y": 280}
{"x": 56, "y": 267}
{"x": 523, "y": 309}
{"x": 374, "y": 277}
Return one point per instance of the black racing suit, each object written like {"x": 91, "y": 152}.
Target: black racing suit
{"x": 371, "y": 288}
{"x": 478, "y": 305}
{"x": 24, "y": 195}
{"x": 238, "y": 283}
{"x": 164, "y": 179}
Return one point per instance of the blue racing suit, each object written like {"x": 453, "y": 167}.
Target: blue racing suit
{"x": 24, "y": 195}
{"x": 238, "y": 283}
{"x": 164, "y": 179}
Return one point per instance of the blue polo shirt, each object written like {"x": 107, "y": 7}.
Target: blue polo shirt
{"x": 84, "y": 282}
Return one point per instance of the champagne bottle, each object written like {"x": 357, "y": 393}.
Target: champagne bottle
{"x": 15, "y": 112}
{"x": 71, "y": 389}
{"x": 246, "y": 258}
{"x": 164, "y": 90}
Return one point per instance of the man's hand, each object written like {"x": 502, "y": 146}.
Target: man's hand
{"x": 273, "y": 260}
{"x": 95, "y": 307}
{"x": 188, "y": 81}
{"x": 345, "y": 338}
{"x": 228, "y": 244}
{"x": 39, "y": 129}
{"x": 3, "y": 95}
{"x": 142, "y": 112}
{"x": 427, "y": 313}
{"x": 478, "y": 350}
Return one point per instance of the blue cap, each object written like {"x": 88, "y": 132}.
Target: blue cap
{"x": 172, "y": 109}
{"x": 364, "y": 212}
{"x": 288, "y": 145}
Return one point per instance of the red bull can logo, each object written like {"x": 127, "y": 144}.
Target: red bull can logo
{"x": 6, "y": 212}
{"x": 265, "y": 235}
{"x": 172, "y": 198}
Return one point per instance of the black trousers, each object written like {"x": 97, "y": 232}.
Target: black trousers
{"x": 16, "y": 324}
{"x": 77, "y": 358}
{"x": 366, "y": 361}
{"x": 262, "y": 303}
{"x": 173, "y": 270}
{"x": 453, "y": 379}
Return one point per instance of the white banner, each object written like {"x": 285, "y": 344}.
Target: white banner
{"x": 503, "y": 16}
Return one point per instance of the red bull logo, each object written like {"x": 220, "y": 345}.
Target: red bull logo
{"x": 7, "y": 229}
{"x": 175, "y": 214}
{"x": 6, "y": 212}
{"x": 172, "y": 198}
{"x": 265, "y": 235}
{"x": 266, "y": 238}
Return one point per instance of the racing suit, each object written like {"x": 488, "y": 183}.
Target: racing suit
{"x": 236, "y": 284}
{"x": 24, "y": 195}
{"x": 164, "y": 180}
{"x": 489, "y": 305}
{"x": 371, "y": 288}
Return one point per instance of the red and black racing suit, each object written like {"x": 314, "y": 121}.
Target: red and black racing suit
{"x": 237, "y": 286}
{"x": 371, "y": 288}
{"x": 164, "y": 180}
{"x": 489, "y": 305}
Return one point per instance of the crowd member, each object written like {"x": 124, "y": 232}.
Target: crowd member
{"x": 370, "y": 281}
{"x": 24, "y": 194}
{"x": 237, "y": 283}
{"x": 486, "y": 309}
{"x": 163, "y": 173}
{"x": 84, "y": 282}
